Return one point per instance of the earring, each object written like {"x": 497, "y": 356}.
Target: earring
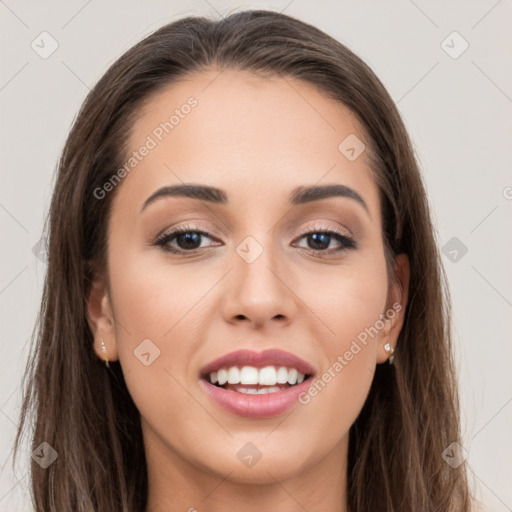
{"x": 390, "y": 350}
{"x": 104, "y": 350}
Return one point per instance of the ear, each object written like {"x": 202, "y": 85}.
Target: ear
{"x": 100, "y": 319}
{"x": 393, "y": 316}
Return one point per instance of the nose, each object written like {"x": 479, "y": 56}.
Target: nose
{"x": 259, "y": 293}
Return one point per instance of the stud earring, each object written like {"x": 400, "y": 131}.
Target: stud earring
{"x": 104, "y": 350}
{"x": 391, "y": 351}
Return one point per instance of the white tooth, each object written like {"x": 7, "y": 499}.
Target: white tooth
{"x": 249, "y": 375}
{"x": 267, "y": 376}
{"x": 265, "y": 391}
{"x": 300, "y": 377}
{"x": 282, "y": 375}
{"x": 222, "y": 375}
{"x": 213, "y": 377}
{"x": 234, "y": 375}
{"x": 247, "y": 391}
{"x": 292, "y": 376}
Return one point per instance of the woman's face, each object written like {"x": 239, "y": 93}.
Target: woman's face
{"x": 247, "y": 276}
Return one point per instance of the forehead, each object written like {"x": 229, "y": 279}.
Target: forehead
{"x": 256, "y": 137}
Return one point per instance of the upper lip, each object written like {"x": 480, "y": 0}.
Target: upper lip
{"x": 271, "y": 357}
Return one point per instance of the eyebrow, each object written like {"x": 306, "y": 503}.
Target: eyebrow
{"x": 300, "y": 195}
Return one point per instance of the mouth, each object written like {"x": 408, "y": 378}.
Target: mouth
{"x": 256, "y": 381}
{"x": 249, "y": 372}
{"x": 238, "y": 380}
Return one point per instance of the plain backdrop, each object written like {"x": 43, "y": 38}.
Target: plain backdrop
{"x": 457, "y": 106}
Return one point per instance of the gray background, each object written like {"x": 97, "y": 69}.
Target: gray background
{"x": 457, "y": 110}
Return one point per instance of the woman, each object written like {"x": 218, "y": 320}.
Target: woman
{"x": 240, "y": 231}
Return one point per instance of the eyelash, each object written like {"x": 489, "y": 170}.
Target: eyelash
{"x": 347, "y": 242}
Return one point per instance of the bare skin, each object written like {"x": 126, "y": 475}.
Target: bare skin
{"x": 256, "y": 139}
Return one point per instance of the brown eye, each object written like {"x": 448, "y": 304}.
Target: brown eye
{"x": 186, "y": 238}
{"x": 319, "y": 239}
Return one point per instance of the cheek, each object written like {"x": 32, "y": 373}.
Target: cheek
{"x": 153, "y": 298}
{"x": 337, "y": 395}
{"x": 156, "y": 338}
{"x": 150, "y": 309}
{"x": 349, "y": 299}
{"x": 349, "y": 306}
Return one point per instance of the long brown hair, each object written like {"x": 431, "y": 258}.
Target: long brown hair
{"x": 84, "y": 411}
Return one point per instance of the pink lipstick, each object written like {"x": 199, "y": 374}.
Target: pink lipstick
{"x": 256, "y": 384}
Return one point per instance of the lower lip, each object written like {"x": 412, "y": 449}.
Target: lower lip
{"x": 255, "y": 406}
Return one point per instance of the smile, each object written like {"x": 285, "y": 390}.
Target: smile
{"x": 266, "y": 387}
